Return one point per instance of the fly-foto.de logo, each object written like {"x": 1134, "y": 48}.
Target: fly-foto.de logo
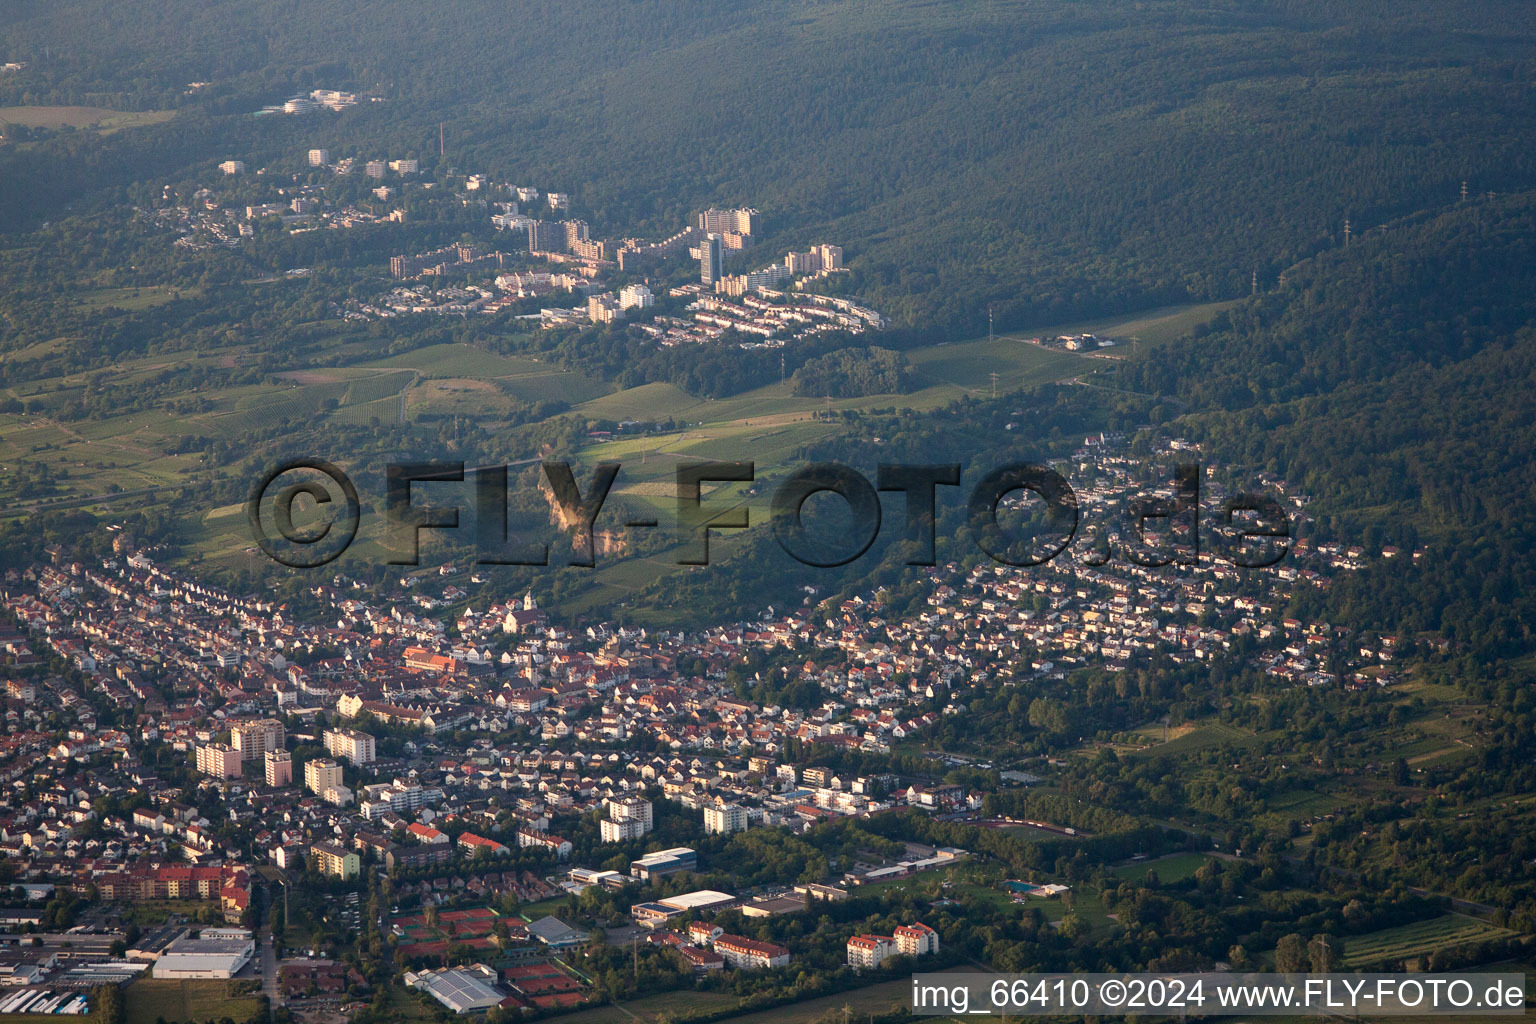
{"x": 1022, "y": 514}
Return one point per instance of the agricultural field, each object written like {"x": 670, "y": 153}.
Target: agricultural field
{"x": 1174, "y": 868}
{"x": 526, "y": 378}
{"x": 375, "y": 386}
{"x": 457, "y": 360}
{"x": 132, "y": 299}
{"x": 655, "y": 401}
{"x": 945, "y": 372}
{"x": 678, "y": 1007}
{"x": 872, "y": 1000}
{"x": 1411, "y": 940}
{"x": 91, "y": 118}
{"x": 121, "y": 461}
{"x": 1202, "y": 736}
{"x": 151, "y": 1000}
{"x": 1154, "y": 327}
{"x": 967, "y": 367}
{"x": 1303, "y": 803}
{"x": 456, "y": 396}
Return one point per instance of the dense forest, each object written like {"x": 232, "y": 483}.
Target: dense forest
{"x": 851, "y": 373}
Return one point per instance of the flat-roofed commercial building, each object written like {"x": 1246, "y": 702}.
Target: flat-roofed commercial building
{"x": 664, "y": 862}
{"x": 216, "y": 953}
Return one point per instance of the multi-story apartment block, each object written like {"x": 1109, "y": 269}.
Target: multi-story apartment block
{"x": 279, "y": 764}
{"x": 351, "y": 745}
{"x": 629, "y": 817}
{"x": 546, "y": 236}
{"x": 723, "y": 818}
{"x": 336, "y": 861}
{"x": 399, "y": 796}
{"x": 631, "y": 808}
{"x": 592, "y": 249}
{"x": 819, "y": 258}
{"x": 604, "y": 308}
{"x": 619, "y": 831}
{"x": 742, "y": 952}
{"x": 636, "y": 296}
{"x": 322, "y": 774}
{"x": 916, "y": 939}
{"x": 561, "y": 848}
{"x": 219, "y": 760}
{"x": 773, "y": 277}
{"x": 868, "y": 951}
{"x": 816, "y": 776}
{"x": 253, "y": 739}
{"x": 742, "y": 221}
{"x": 711, "y": 259}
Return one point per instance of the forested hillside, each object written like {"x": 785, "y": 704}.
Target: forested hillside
{"x": 1393, "y": 382}
{"x": 1052, "y": 160}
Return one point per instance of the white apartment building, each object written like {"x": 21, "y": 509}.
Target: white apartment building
{"x": 869, "y": 951}
{"x": 724, "y": 818}
{"x": 351, "y": 745}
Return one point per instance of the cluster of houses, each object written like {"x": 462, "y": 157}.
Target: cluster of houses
{"x": 456, "y": 738}
{"x": 184, "y": 663}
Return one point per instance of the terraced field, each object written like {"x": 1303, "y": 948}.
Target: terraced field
{"x": 377, "y": 385}
{"x": 1411, "y": 940}
{"x": 385, "y": 410}
{"x": 458, "y": 360}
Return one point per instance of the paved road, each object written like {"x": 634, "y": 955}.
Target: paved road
{"x": 269, "y": 984}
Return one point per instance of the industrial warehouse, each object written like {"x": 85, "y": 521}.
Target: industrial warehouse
{"x": 216, "y": 953}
